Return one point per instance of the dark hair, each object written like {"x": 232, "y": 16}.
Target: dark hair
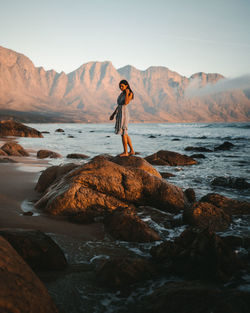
{"x": 125, "y": 82}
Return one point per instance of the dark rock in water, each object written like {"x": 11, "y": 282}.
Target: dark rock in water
{"x": 83, "y": 217}
{"x": 52, "y": 173}
{"x": 108, "y": 136}
{"x": 42, "y": 154}
{"x": 124, "y": 224}
{"x": 45, "y": 132}
{"x": 122, "y": 272}
{"x": 194, "y": 297}
{"x": 36, "y": 248}
{"x": 237, "y": 241}
{"x": 166, "y": 175}
{"x": 79, "y": 131}
{"x": 231, "y": 182}
{"x": 197, "y": 254}
{"x": 91, "y": 131}
{"x": 225, "y": 146}
{"x": 77, "y": 156}
{"x": 70, "y": 136}
{"x": 7, "y": 160}
{"x": 198, "y": 156}
{"x": 28, "y": 213}
{"x": 14, "y": 149}
{"x": 103, "y": 186}
{"x": 203, "y": 137}
{"x": 190, "y": 194}
{"x": 21, "y": 290}
{"x": 2, "y": 153}
{"x": 175, "y": 139}
{"x": 16, "y": 129}
{"x": 59, "y": 130}
{"x": 207, "y": 215}
{"x": 170, "y": 158}
{"x": 198, "y": 149}
{"x": 151, "y": 136}
{"x": 230, "y": 206}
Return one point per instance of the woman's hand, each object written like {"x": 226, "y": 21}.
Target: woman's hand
{"x": 112, "y": 116}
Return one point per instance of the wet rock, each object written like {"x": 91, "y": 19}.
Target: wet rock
{"x": 198, "y": 156}
{"x": 197, "y": 254}
{"x": 2, "y": 153}
{"x": 152, "y": 136}
{"x": 52, "y": 173}
{"x": 45, "y": 132}
{"x": 20, "y": 289}
{"x": 103, "y": 186}
{"x": 36, "y": 248}
{"x": 195, "y": 297}
{"x": 207, "y": 215}
{"x": 175, "y": 139}
{"x": 83, "y": 217}
{"x": 170, "y": 158}
{"x": 70, "y": 136}
{"x": 230, "y": 206}
{"x": 42, "y": 154}
{"x": 166, "y": 175}
{"x": 122, "y": 272}
{"x": 16, "y": 129}
{"x": 59, "y": 130}
{"x": 136, "y": 162}
{"x": 231, "y": 182}
{"x": 28, "y": 213}
{"x": 7, "y": 160}
{"x": 190, "y": 194}
{"x": 124, "y": 224}
{"x": 225, "y": 146}
{"x": 198, "y": 149}
{"x": 14, "y": 149}
{"x": 77, "y": 156}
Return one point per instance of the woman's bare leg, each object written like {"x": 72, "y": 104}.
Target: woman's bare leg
{"x": 125, "y": 145}
{"x": 131, "y": 152}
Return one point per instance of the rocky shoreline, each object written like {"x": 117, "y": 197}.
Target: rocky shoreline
{"x": 198, "y": 271}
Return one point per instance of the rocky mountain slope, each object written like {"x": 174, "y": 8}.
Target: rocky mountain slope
{"x": 89, "y": 94}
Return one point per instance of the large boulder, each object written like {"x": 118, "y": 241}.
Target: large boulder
{"x": 207, "y": 215}
{"x": 198, "y": 254}
{"x": 170, "y": 158}
{"x": 36, "y": 248}
{"x": 230, "y": 206}
{"x": 103, "y": 186}
{"x": 14, "y": 149}
{"x": 20, "y": 289}
{"x": 16, "y": 129}
{"x": 42, "y": 154}
{"x": 124, "y": 224}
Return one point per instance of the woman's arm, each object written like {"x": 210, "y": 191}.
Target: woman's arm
{"x": 113, "y": 114}
{"x": 128, "y": 96}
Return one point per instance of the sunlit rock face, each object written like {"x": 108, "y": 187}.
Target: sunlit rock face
{"x": 89, "y": 93}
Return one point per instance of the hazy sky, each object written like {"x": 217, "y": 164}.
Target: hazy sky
{"x": 187, "y": 36}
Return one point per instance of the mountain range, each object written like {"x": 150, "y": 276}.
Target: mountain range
{"x": 89, "y": 94}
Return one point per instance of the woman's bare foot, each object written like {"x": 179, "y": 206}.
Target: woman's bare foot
{"x": 131, "y": 152}
{"x": 123, "y": 154}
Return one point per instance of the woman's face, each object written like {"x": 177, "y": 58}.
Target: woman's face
{"x": 123, "y": 87}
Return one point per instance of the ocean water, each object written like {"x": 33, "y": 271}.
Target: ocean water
{"x": 77, "y": 292}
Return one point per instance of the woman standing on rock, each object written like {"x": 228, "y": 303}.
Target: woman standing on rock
{"x": 122, "y": 117}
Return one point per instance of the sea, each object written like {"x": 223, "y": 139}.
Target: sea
{"x": 77, "y": 292}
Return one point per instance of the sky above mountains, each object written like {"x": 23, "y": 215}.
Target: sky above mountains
{"x": 185, "y": 36}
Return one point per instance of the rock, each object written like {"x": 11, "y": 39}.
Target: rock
{"x": 14, "y": 149}
{"x": 195, "y": 297}
{"x": 36, "y": 248}
{"x": 42, "y": 154}
{"x": 52, "y": 173}
{"x": 70, "y": 136}
{"x": 20, "y": 289}
{"x": 230, "y": 206}
{"x": 77, "y": 156}
{"x": 170, "y": 158}
{"x": 16, "y": 129}
{"x": 207, "y": 215}
{"x": 231, "y": 182}
{"x": 28, "y": 213}
{"x": 59, "y": 130}
{"x": 124, "y": 224}
{"x": 7, "y": 160}
{"x": 197, "y": 254}
{"x": 166, "y": 175}
{"x": 83, "y": 217}
{"x": 190, "y": 194}
{"x": 198, "y": 149}
{"x": 45, "y": 132}
{"x": 136, "y": 162}
{"x": 2, "y": 153}
{"x": 122, "y": 272}
{"x": 237, "y": 241}
{"x": 198, "y": 156}
{"x": 175, "y": 139}
{"x": 152, "y": 136}
{"x": 103, "y": 186}
{"x": 225, "y": 146}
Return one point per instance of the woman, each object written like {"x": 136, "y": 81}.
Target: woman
{"x": 122, "y": 117}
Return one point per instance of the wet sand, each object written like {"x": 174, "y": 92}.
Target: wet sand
{"x": 17, "y": 183}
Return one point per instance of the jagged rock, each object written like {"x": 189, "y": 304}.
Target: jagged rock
{"x": 52, "y": 173}
{"x": 77, "y": 156}
{"x": 124, "y": 224}
{"x": 225, "y": 146}
{"x": 197, "y": 254}
{"x": 207, "y": 215}
{"x": 20, "y": 289}
{"x": 36, "y": 248}
{"x": 103, "y": 186}
{"x": 16, "y": 129}
{"x": 42, "y": 154}
{"x": 190, "y": 194}
{"x": 170, "y": 158}
{"x": 230, "y": 206}
{"x": 59, "y": 130}
{"x": 166, "y": 175}
{"x": 198, "y": 149}
{"x": 231, "y": 182}
{"x": 198, "y": 156}
{"x": 122, "y": 272}
{"x": 14, "y": 149}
